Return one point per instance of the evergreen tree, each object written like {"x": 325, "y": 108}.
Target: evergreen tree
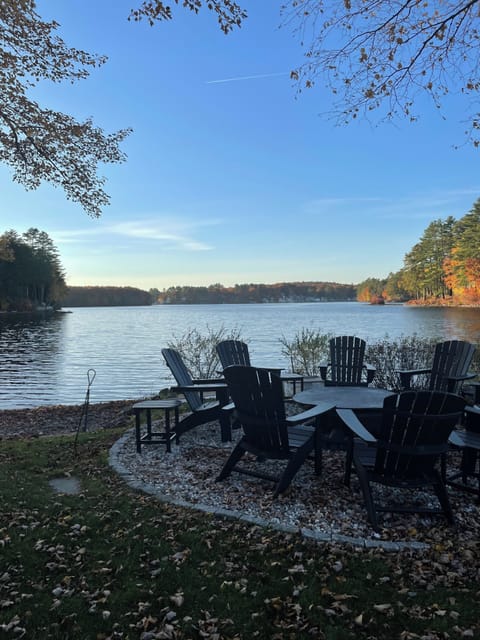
{"x": 424, "y": 264}
{"x": 462, "y": 267}
{"x": 31, "y": 273}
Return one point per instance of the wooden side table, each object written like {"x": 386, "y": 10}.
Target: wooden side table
{"x": 156, "y": 437}
{"x": 293, "y": 379}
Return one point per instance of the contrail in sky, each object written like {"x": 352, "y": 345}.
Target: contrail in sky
{"x": 262, "y": 75}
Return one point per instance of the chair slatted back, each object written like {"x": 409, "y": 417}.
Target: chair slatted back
{"x": 451, "y": 358}
{"x": 346, "y": 360}
{"x": 182, "y": 376}
{"x": 258, "y": 398}
{"x": 414, "y": 433}
{"x": 232, "y": 352}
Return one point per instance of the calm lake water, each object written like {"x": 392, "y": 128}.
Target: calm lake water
{"x": 45, "y": 359}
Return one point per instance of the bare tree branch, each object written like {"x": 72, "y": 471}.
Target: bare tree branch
{"x": 382, "y": 55}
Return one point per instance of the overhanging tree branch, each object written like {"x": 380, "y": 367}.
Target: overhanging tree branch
{"x": 381, "y": 55}
{"x": 46, "y": 145}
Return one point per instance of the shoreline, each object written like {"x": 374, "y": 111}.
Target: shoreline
{"x": 62, "y": 419}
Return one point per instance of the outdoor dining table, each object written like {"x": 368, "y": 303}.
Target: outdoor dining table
{"x": 344, "y": 397}
{"x": 331, "y": 433}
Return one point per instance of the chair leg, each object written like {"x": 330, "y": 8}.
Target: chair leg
{"x": 225, "y": 427}
{"x": 443, "y": 467}
{"x": 367, "y": 495}
{"x": 228, "y": 467}
{"x": 293, "y": 465}
{"x": 468, "y": 463}
{"x": 442, "y": 495}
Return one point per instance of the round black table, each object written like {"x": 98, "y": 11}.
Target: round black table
{"x": 331, "y": 433}
{"x": 356, "y": 398}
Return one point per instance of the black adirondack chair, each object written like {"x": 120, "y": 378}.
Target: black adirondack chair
{"x": 346, "y": 366}
{"x": 413, "y": 439}
{"x": 201, "y": 412}
{"x": 468, "y": 441}
{"x": 233, "y": 352}
{"x": 268, "y": 433}
{"x": 449, "y": 370}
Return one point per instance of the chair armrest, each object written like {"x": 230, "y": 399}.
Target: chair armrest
{"x": 464, "y": 439}
{"x": 210, "y": 386}
{"x": 407, "y": 374}
{"x": 273, "y": 370}
{"x": 475, "y": 410}
{"x": 209, "y": 380}
{"x": 317, "y": 410}
{"x": 228, "y": 407}
{"x": 217, "y": 386}
{"x": 353, "y": 423}
{"x": 182, "y": 388}
{"x": 465, "y": 376}
{"x": 413, "y": 372}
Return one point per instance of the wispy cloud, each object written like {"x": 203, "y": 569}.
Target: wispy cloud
{"x": 72, "y": 236}
{"x": 440, "y": 204}
{"x": 170, "y": 232}
{"x": 253, "y": 77}
{"x": 166, "y": 233}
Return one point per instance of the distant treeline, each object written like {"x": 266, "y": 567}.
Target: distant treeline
{"x": 442, "y": 268}
{"x": 251, "y": 293}
{"x": 106, "y": 297}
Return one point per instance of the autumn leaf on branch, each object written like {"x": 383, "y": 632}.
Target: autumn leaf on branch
{"x": 42, "y": 144}
{"x": 382, "y": 57}
{"x": 229, "y": 13}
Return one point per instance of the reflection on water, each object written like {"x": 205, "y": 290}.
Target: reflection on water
{"x": 30, "y": 348}
{"x": 467, "y": 321}
{"x": 45, "y": 359}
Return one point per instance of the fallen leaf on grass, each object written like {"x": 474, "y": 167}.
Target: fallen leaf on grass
{"x": 177, "y": 599}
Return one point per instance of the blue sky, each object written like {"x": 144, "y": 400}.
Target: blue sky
{"x": 231, "y": 177}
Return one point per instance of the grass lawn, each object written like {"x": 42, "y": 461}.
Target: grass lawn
{"x": 112, "y": 563}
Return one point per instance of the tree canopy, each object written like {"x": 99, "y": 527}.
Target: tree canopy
{"x": 31, "y": 273}
{"x": 229, "y": 14}
{"x": 41, "y": 144}
{"x": 383, "y": 55}
{"x": 443, "y": 267}
{"x": 376, "y": 55}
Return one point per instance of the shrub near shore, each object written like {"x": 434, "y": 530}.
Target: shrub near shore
{"x": 310, "y": 347}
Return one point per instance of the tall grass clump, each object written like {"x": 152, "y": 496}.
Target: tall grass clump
{"x": 198, "y": 349}
{"x": 306, "y": 351}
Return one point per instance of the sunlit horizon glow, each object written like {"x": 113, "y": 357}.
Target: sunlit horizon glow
{"x": 231, "y": 176}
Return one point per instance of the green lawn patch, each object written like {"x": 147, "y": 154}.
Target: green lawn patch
{"x": 110, "y": 563}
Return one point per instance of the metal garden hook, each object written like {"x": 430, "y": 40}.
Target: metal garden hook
{"x": 91, "y": 373}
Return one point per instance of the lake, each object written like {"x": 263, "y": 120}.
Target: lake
{"x": 45, "y": 359}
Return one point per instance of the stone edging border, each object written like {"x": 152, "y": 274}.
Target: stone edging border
{"x": 317, "y": 536}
